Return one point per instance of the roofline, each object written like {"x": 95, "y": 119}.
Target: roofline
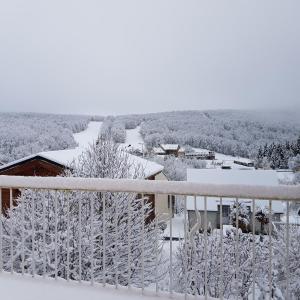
{"x": 154, "y": 174}
{"x": 43, "y": 158}
{"x": 30, "y": 158}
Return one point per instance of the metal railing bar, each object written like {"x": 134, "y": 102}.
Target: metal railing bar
{"x": 253, "y": 249}
{"x": 23, "y": 239}
{"x": 171, "y": 248}
{"x": 68, "y": 238}
{"x": 185, "y": 250}
{"x": 280, "y": 193}
{"x": 116, "y": 260}
{"x": 92, "y": 240}
{"x": 221, "y": 249}
{"x": 11, "y": 234}
{"x": 79, "y": 239}
{"x": 129, "y": 242}
{"x": 143, "y": 244}
{"x": 104, "y": 242}
{"x": 237, "y": 247}
{"x": 1, "y": 234}
{"x": 287, "y": 267}
{"x": 56, "y": 234}
{"x": 205, "y": 248}
{"x": 156, "y": 249}
{"x": 270, "y": 251}
{"x": 44, "y": 236}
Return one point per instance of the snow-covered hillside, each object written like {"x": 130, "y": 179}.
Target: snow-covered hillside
{"x": 23, "y": 134}
{"x": 134, "y": 140}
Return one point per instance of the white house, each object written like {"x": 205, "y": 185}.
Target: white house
{"x": 234, "y": 176}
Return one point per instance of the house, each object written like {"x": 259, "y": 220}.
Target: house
{"x": 53, "y": 163}
{"x": 244, "y": 162}
{"x": 226, "y": 165}
{"x": 203, "y": 155}
{"x": 219, "y": 176}
{"x": 170, "y": 149}
{"x": 158, "y": 151}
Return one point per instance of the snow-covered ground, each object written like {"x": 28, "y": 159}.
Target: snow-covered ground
{"x": 223, "y": 159}
{"x": 177, "y": 227}
{"x": 89, "y": 135}
{"x": 14, "y": 287}
{"x": 134, "y": 140}
{"x": 83, "y": 139}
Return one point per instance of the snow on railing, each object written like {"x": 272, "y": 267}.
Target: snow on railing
{"x": 104, "y": 231}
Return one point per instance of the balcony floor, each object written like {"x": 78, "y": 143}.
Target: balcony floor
{"x": 16, "y": 287}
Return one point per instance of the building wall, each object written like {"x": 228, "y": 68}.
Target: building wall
{"x": 212, "y": 219}
{"x": 161, "y": 201}
{"x": 34, "y": 167}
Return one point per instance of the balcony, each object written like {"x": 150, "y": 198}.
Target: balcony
{"x": 94, "y": 236}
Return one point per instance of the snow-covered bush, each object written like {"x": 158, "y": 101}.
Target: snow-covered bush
{"x": 104, "y": 231}
{"x": 281, "y": 260}
{"x": 236, "y": 259}
{"x": 242, "y": 211}
{"x": 175, "y": 167}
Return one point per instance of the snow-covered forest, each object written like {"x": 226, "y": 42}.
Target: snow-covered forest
{"x": 22, "y": 134}
{"x": 238, "y": 133}
{"x": 277, "y": 156}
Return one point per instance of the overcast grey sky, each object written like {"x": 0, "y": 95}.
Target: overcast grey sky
{"x": 117, "y": 57}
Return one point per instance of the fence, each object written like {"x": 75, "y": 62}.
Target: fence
{"x": 98, "y": 230}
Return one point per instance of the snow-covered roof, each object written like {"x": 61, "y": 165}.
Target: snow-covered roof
{"x": 244, "y": 160}
{"x": 66, "y": 157}
{"x": 244, "y": 177}
{"x": 158, "y": 150}
{"x": 169, "y": 146}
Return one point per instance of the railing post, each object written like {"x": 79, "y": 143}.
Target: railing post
{"x": 23, "y": 236}
{"x": 237, "y": 247}
{"x": 156, "y": 249}
{"x": 68, "y": 238}
{"x": 104, "y": 241}
{"x": 44, "y": 235}
{"x": 80, "y": 239}
{"x": 270, "y": 251}
{"x": 1, "y": 234}
{"x": 221, "y": 250}
{"x": 92, "y": 239}
{"x": 171, "y": 248}
{"x": 253, "y": 250}
{"x": 143, "y": 243}
{"x": 185, "y": 249}
{"x": 11, "y": 233}
{"x": 287, "y": 266}
{"x": 55, "y": 233}
{"x": 205, "y": 247}
{"x": 129, "y": 241}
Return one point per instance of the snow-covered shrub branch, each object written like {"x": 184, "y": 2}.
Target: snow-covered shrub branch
{"x": 104, "y": 232}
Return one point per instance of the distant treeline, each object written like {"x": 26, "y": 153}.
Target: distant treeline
{"x": 238, "y": 133}
{"x": 277, "y": 155}
{"x": 22, "y": 134}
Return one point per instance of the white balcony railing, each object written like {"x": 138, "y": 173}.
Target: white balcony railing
{"x": 62, "y": 231}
